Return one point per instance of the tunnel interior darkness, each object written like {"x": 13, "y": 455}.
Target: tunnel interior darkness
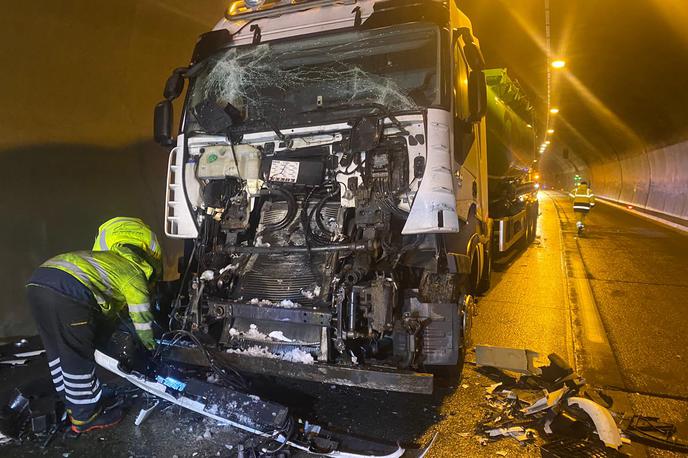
{"x": 79, "y": 83}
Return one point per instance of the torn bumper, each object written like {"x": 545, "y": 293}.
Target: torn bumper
{"x": 372, "y": 377}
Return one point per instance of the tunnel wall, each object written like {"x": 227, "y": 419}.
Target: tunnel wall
{"x": 79, "y": 82}
{"x": 655, "y": 180}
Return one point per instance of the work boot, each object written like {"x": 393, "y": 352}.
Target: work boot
{"x": 102, "y": 419}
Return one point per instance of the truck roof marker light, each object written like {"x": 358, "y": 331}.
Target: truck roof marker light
{"x": 254, "y": 4}
{"x": 252, "y": 9}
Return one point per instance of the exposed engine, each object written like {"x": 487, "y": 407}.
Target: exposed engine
{"x": 300, "y": 248}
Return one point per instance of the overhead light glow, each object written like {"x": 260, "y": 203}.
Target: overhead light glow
{"x": 554, "y": 110}
{"x": 547, "y": 142}
{"x": 550, "y": 131}
{"x": 558, "y": 63}
{"x": 529, "y": 126}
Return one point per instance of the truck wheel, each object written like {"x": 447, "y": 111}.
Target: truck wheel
{"x": 486, "y": 273}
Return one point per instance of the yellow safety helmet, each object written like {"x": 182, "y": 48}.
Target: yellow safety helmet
{"x": 134, "y": 240}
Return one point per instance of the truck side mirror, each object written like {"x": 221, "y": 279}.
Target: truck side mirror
{"x": 174, "y": 85}
{"x": 162, "y": 123}
{"x": 477, "y": 96}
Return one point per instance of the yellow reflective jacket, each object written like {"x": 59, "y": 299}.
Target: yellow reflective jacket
{"x": 583, "y": 198}
{"x": 115, "y": 281}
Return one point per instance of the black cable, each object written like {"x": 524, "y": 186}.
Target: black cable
{"x": 291, "y": 208}
{"x": 235, "y": 380}
{"x": 318, "y": 208}
{"x": 177, "y": 301}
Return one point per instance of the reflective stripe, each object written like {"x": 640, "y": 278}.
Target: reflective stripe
{"x": 78, "y": 385}
{"x": 142, "y": 326}
{"x": 580, "y": 207}
{"x": 58, "y": 380}
{"x": 92, "y": 400}
{"x": 90, "y": 391}
{"x": 56, "y": 371}
{"x": 80, "y": 274}
{"x": 53, "y": 362}
{"x": 59, "y": 388}
{"x": 139, "y": 308}
{"x": 103, "y": 243}
{"x": 154, "y": 243}
{"x": 79, "y": 376}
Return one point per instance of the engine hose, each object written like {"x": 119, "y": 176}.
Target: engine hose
{"x": 291, "y": 208}
{"x": 318, "y": 209}
{"x": 312, "y": 236}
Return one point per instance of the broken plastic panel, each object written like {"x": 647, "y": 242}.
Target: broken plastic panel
{"x": 511, "y": 359}
{"x": 603, "y": 420}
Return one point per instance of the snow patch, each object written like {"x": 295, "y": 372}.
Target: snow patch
{"x": 295, "y": 355}
{"x": 311, "y": 293}
{"x": 279, "y": 335}
{"x": 285, "y": 303}
{"x": 260, "y": 243}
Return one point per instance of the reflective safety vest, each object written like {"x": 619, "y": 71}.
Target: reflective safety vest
{"x": 583, "y": 198}
{"x": 117, "y": 233}
{"x": 115, "y": 282}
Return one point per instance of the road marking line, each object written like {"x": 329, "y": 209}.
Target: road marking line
{"x": 594, "y": 356}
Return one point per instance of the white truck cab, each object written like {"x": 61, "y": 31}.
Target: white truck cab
{"x": 330, "y": 178}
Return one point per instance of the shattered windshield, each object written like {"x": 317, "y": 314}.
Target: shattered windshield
{"x": 286, "y": 81}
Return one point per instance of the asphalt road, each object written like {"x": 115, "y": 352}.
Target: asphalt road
{"x": 638, "y": 271}
{"x": 611, "y": 303}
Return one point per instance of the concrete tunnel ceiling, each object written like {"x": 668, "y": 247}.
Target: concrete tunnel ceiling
{"x": 624, "y": 86}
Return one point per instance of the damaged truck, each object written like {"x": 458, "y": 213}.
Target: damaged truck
{"x": 329, "y": 178}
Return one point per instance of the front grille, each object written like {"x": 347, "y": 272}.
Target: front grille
{"x": 277, "y": 277}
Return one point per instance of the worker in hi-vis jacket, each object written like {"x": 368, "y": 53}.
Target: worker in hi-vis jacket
{"x": 76, "y": 297}
{"x": 583, "y": 201}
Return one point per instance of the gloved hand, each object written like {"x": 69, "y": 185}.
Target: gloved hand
{"x": 147, "y": 339}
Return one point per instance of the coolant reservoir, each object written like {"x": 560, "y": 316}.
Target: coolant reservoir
{"x": 217, "y": 162}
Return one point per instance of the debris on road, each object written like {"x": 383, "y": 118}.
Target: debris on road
{"x": 145, "y": 413}
{"x": 511, "y": 359}
{"x": 10, "y": 358}
{"x": 530, "y": 397}
{"x": 653, "y": 432}
{"x": 606, "y": 427}
{"x": 265, "y": 419}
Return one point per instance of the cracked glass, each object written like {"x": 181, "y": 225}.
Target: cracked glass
{"x": 293, "y": 81}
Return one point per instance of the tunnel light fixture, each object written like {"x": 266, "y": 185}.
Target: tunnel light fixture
{"x": 550, "y": 131}
{"x": 547, "y": 142}
{"x": 529, "y": 126}
{"x": 558, "y": 63}
{"x": 554, "y": 110}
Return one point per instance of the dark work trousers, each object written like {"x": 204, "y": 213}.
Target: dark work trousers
{"x": 69, "y": 330}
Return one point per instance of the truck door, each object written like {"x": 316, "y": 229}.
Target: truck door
{"x": 466, "y": 145}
